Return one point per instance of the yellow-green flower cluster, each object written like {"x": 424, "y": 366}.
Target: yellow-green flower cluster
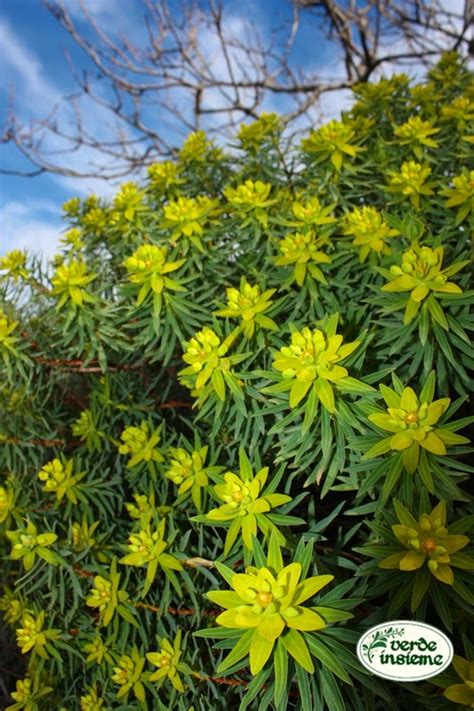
{"x": 14, "y": 265}
{"x": 251, "y": 136}
{"x": 420, "y": 273}
{"x": 27, "y": 694}
{"x": 85, "y": 427}
{"x": 311, "y": 362}
{"x": 333, "y": 141}
{"x": 128, "y": 675}
{"x": 73, "y": 240}
{"x": 165, "y": 175}
{"x": 82, "y": 534}
{"x": 127, "y": 204}
{"x": 461, "y": 194}
{"x": 146, "y": 549}
{"x": 427, "y": 541}
{"x": 91, "y": 701}
{"x": 249, "y": 304}
{"x": 188, "y": 216}
{"x": 97, "y": 651}
{"x": 140, "y": 445}
{"x": 416, "y": 131}
{"x": 148, "y": 267}
{"x": 11, "y": 607}
{"x": 268, "y": 602}
{"x": 58, "y": 477}
{"x": 168, "y": 661}
{"x": 188, "y": 472}
{"x": 6, "y": 329}
{"x": 462, "y": 693}
{"x": 7, "y": 502}
{"x": 31, "y": 635}
{"x": 209, "y": 368}
{"x": 412, "y": 421}
{"x": 371, "y": 232}
{"x": 251, "y": 200}
{"x": 308, "y": 214}
{"x": 27, "y": 543}
{"x": 69, "y": 282}
{"x": 197, "y": 148}
{"x": 304, "y": 251}
{"x": 410, "y": 181}
{"x": 106, "y": 595}
{"x": 245, "y": 504}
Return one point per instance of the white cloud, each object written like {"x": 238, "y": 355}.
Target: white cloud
{"x": 34, "y": 226}
{"x": 23, "y": 68}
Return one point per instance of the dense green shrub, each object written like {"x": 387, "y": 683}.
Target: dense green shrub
{"x": 233, "y": 416}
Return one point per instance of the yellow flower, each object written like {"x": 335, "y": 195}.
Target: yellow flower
{"x": 411, "y": 181}
{"x": 72, "y": 207}
{"x": 187, "y": 471}
{"x": 168, "y": 662}
{"x": 27, "y": 543}
{"x": 165, "y": 175}
{"x": 106, "y": 596}
{"x": 91, "y": 701}
{"x": 311, "y": 361}
{"x": 96, "y": 220}
{"x": 268, "y": 603}
{"x": 148, "y": 267}
{"x": 14, "y": 264}
{"x": 127, "y": 204}
{"x": 58, "y": 477}
{"x": 73, "y": 239}
{"x": 81, "y": 534}
{"x": 69, "y": 281}
{"x": 146, "y": 549}
{"x": 309, "y": 213}
{"x": 419, "y": 273}
{"x": 370, "y": 231}
{"x": 6, "y": 329}
{"x": 415, "y": 130}
{"x": 267, "y": 126}
{"x": 333, "y": 141}
{"x": 197, "y": 148}
{"x": 97, "y": 651}
{"x": 462, "y": 693}
{"x": 85, "y": 427}
{"x": 249, "y": 304}
{"x": 209, "y": 367}
{"x": 11, "y": 606}
{"x": 128, "y": 675}
{"x": 140, "y": 445}
{"x": 411, "y": 420}
{"x": 32, "y": 636}
{"x": 304, "y": 251}
{"x": 427, "y": 542}
{"x": 245, "y": 503}
{"x": 7, "y": 502}
{"x": 26, "y": 695}
{"x": 251, "y": 198}
{"x": 188, "y": 216}
{"x": 461, "y": 194}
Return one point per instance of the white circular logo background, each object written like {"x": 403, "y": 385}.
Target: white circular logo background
{"x": 404, "y": 650}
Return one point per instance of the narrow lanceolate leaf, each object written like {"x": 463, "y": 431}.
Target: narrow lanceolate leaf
{"x": 281, "y": 672}
{"x": 319, "y": 650}
{"x": 240, "y": 650}
{"x": 295, "y": 644}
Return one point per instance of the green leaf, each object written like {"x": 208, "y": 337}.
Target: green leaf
{"x": 239, "y": 651}
{"x": 280, "y": 672}
{"x": 327, "y": 658}
{"x": 295, "y": 644}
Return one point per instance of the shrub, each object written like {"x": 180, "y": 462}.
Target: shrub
{"x": 233, "y": 415}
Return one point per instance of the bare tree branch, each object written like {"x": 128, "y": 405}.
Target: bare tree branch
{"x": 197, "y": 67}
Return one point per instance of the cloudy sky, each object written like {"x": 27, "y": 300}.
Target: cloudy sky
{"x": 35, "y": 75}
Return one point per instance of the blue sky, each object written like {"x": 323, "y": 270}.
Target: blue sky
{"x": 34, "y": 71}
